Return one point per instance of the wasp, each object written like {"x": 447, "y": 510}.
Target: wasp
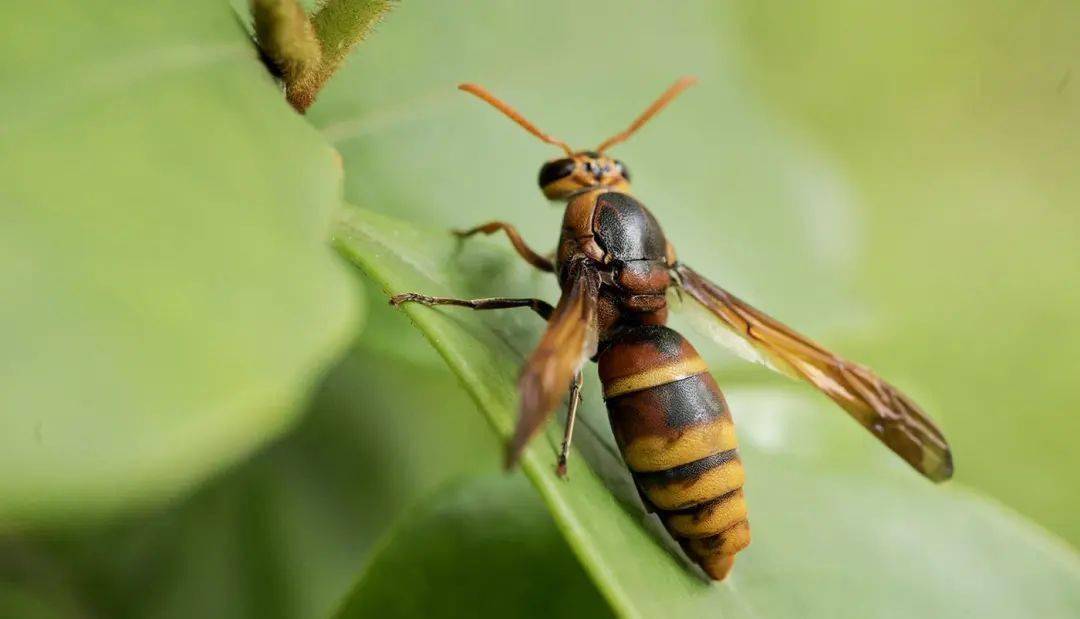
{"x": 672, "y": 425}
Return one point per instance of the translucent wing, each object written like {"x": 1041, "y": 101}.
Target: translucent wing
{"x": 568, "y": 342}
{"x": 881, "y": 408}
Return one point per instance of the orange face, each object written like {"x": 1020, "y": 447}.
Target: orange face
{"x": 561, "y": 179}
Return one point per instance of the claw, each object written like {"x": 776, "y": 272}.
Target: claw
{"x": 560, "y": 470}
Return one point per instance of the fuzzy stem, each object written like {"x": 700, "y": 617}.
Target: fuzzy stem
{"x": 339, "y": 25}
{"x": 287, "y": 39}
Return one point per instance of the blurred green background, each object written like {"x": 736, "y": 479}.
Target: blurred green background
{"x": 896, "y": 179}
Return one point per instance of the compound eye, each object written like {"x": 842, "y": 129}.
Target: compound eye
{"x": 554, "y": 170}
{"x": 623, "y": 171}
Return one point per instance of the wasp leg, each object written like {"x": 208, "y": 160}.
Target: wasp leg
{"x": 523, "y": 250}
{"x": 571, "y": 415}
{"x": 537, "y": 305}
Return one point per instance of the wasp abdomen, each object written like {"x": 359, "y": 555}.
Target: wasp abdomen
{"x": 676, "y": 435}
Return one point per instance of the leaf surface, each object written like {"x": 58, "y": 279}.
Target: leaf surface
{"x": 480, "y": 547}
{"x": 167, "y": 290}
{"x": 839, "y": 528}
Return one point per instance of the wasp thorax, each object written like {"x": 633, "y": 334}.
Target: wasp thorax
{"x": 567, "y": 176}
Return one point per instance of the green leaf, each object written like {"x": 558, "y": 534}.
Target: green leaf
{"x": 839, "y": 527}
{"x": 283, "y": 534}
{"x": 167, "y": 291}
{"x": 480, "y": 547}
{"x": 895, "y": 183}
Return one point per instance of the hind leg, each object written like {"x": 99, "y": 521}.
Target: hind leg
{"x": 571, "y": 415}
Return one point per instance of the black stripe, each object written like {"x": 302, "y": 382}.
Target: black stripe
{"x": 686, "y": 402}
{"x": 666, "y": 340}
{"x": 694, "y": 510}
{"x": 715, "y": 541}
{"x": 687, "y": 471}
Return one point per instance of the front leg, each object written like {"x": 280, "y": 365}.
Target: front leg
{"x": 522, "y": 249}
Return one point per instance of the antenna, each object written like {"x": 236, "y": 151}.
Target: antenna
{"x": 514, "y": 115}
{"x": 680, "y": 85}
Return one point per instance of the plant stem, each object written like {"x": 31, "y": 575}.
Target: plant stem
{"x": 287, "y": 38}
{"x": 339, "y": 25}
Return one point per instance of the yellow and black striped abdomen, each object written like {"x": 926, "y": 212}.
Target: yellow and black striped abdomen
{"x": 676, "y": 436}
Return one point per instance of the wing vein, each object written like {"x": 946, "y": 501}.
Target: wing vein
{"x": 882, "y": 409}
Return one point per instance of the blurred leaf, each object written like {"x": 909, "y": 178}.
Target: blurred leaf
{"x": 830, "y": 539}
{"x": 482, "y": 547}
{"x": 282, "y": 535}
{"x": 167, "y": 293}
{"x": 26, "y": 602}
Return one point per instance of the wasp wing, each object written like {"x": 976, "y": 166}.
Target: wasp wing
{"x": 882, "y": 409}
{"x": 568, "y": 342}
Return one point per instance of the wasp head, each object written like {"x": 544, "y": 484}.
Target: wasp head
{"x": 566, "y": 177}
{"x": 578, "y": 171}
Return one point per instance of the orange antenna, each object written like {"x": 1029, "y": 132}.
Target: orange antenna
{"x": 680, "y": 85}
{"x": 513, "y": 114}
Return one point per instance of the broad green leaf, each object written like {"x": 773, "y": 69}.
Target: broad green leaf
{"x": 284, "y": 534}
{"x": 481, "y": 547}
{"x": 840, "y": 527}
{"x": 896, "y": 181}
{"x": 167, "y": 291}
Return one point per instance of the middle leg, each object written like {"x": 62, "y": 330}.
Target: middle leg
{"x": 541, "y": 307}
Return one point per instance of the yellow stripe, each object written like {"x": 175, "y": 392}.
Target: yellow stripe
{"x": 657, "y": 453}
{"x": 652, "y": 377}
{"x": 709, "y": 485}
{"x": 715, "y": 519}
